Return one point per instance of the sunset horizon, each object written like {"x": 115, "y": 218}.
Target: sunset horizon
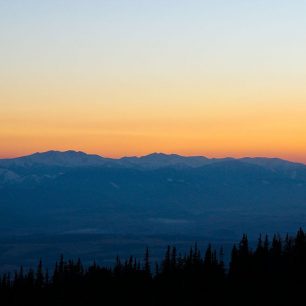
{"x": 131, "y": 77}
{"x": 156, "y": 152}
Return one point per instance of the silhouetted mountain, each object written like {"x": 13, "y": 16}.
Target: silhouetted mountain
{"x": 160, "y": 160}
{"x": 158, "y": 193}
{"x": 152, "y": 161}
{"x": 55, "y": 158}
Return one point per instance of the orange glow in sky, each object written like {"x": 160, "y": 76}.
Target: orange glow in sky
{"x": 196, "y": 79}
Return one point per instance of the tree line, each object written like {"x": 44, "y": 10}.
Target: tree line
{"x": 274, "y": 273}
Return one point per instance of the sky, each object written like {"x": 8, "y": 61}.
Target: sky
{"x": 131, "y": 77}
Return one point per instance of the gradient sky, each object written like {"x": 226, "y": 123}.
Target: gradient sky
{"x": 130, "y": 77}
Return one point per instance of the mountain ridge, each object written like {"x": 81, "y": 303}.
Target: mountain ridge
{"x": 154, "y": 194}
{"x": 71, "y": 158}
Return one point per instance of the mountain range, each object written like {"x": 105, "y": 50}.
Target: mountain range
{"x": 78, "y": 159}
{"x": 75, "y": 192}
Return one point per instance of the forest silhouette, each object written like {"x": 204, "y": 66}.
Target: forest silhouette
{"x": 274, "y": 273}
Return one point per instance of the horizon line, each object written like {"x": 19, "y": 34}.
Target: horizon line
{"x": 157, "y": 153}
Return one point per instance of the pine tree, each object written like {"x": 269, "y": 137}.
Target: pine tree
{"x": 166, "y": 264}
{"x": 39, "y": 279}
{"x": 234, "y": 262}
{"x": 147, "y": 265}
{"x": 173, "y": 259}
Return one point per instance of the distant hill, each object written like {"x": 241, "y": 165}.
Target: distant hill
{"x": 54, "y": 158}
{"x": 152, "y": 161}
{"x": 81, "y": 159}
{"x": 59, "y": 192}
